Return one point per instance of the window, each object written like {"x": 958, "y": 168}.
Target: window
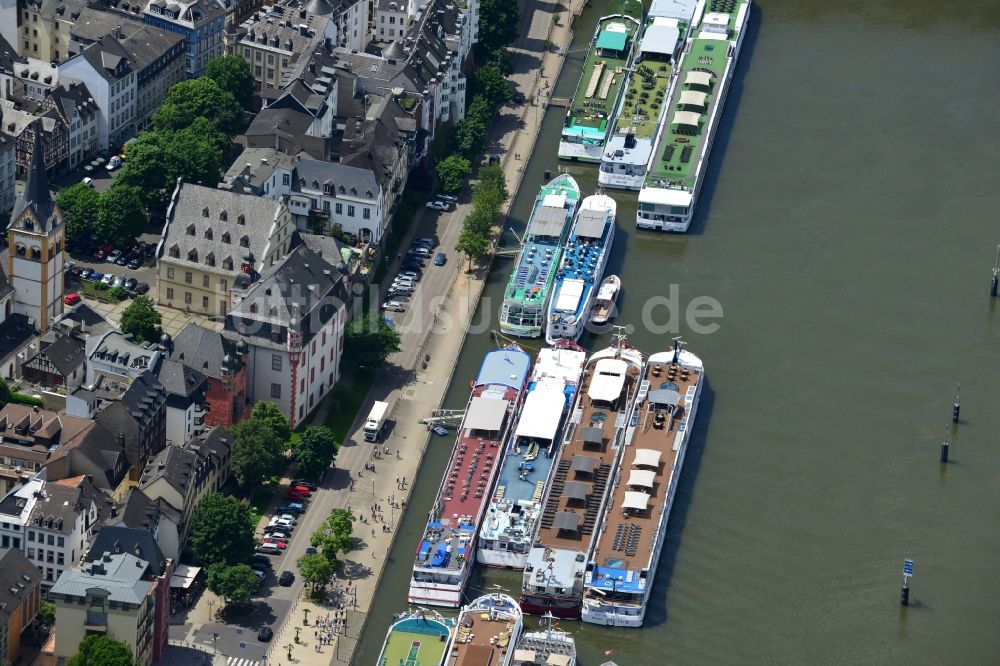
{"x": 204, "y": 302}
{"x": 225, "y": 238}
{"x": 339, "y": 208}
{"x": 17, "y": 542}
{"x": 31, "y": 553}
{"x": 245, "y": 241}
{"x": 187, "y": 277}
{"x": 276, "y": 362}
{"x": 302, "y": 385}
{"x": 366, "y": 213}
{"x": 60, "y": 558}
{"x": 5, "y": 542}
{"x": 187, "y": 297}
{"x": 270, "y": 58}
{"x": 223, "y": 286}
{"x": 31, "y": 536}
{"x": 350, "y": 211}
{"x": 270, "y": 73}
{"x": 204, "y": 279}
{"x": 286, "y": 179}
{"x": 276, "y": 391}
{"x": 257, "y": 69}
{"x": 170, "y": 293}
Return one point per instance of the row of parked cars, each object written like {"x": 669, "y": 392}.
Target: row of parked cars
{"x": 410, "y": 271}
{"x": 442, "y": 202}
{"x": 278, "y": 531}
{"x": 85, "y": 274}
{"x": 133, "y": 255}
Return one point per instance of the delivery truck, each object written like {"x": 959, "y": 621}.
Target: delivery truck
{"x": 376, "y": 421}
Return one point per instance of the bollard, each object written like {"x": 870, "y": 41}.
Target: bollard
{"x": 944, "y": 448}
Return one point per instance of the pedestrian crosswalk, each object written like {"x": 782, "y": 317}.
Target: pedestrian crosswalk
{"x": 237, "y": 661}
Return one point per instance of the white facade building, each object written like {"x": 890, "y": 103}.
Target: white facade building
{"x": 110, "y": 75}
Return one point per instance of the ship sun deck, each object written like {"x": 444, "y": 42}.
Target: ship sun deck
{"x": 635, "y": 505}
{"x": 416, "y": 642}
{"x": 601, "y": 80}
{"x": 572, "y": 508}
{"x": 642, "y": 104}
{"x": 694, "y": 103}
{"x": 539, "y": 257}
{"x": 485, "y": 634}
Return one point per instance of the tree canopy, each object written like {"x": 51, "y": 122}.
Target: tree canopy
{"x": 492, "y": 84}
{"x": 335, "y": 535}
{"x": 473, "y": 243}
{"x": 368, "y": 343}
{"x": 198, "y": 98}
{"x": 222, "y": 531}
{"x": 314, "y": 451}
{"x": 256, "y": 452}
{"x": 142, "y": 320}
{"x": 232, "y": 74}
{"x": 498, "y": 23}
{"x": 121, "y": 214}
{"x": 80, "y": 204}
{"x": 315, "y": 569}
{"x": 453, "y": 171}
{"x": 101, "y": 651}
{"x": 236, "y": 584}
{"x": 269, "y": 414}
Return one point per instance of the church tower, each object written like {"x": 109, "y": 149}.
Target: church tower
{"x": 36, "y": 239}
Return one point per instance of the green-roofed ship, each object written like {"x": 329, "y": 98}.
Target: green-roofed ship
{"x": 680, "y": 159}
{"x": 526, "y": 297}
{"x": 417, "y": 639}
{"x": 590, "y": 113}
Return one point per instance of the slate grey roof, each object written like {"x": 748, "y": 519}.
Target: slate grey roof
{"x": 141, "y": 512}
{"x": 203, "y": 350}
{"x": 120, "y": 575}
{"x": 216, "y": 442}
{"x": 18, "y": 577}
{"x": 311, "y": 175}
{"x": 127, "y": 540}
{"x": 114, "y": 348}
{"x": 148, "y": 44}
{"x": 93, "y": 24}
{"x": 286, "y": 123}
{"x": 327, "y": 247}
{"x": 203, "y": 208}
{"x": 175, "y": 465}
{"x": 74, "y": 98}
{"x": 66, "y": 353}
{"x": 9, "y": 56}
{"x": 179, "y": 379}
{"x": 36, "y": 189}
{"x": 105, "y": 55}
{"x": 15, "y": 333}
{"x": 253, "y": 168}
{"x": 84, "y": 318}
{"x": 64, "y": 500}
{"x": 144, "y": 397}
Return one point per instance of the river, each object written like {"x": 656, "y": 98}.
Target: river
{"x": 848, "y": 229}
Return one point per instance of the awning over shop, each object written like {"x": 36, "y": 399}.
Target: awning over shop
{"x": 184, "y": 576}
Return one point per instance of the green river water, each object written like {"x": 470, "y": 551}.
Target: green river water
{"x": 848, "y": 229}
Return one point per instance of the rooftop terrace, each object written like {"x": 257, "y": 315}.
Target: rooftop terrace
{"x": 415, "y": 641}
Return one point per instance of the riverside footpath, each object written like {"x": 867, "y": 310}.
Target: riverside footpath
{"x": 415, "y": 380}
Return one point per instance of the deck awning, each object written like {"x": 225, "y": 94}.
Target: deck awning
{"x": 612, "y": 38}
{"x": 664, "y": 397}
{"x": 642, "y": 478}
{"x": 577, "y": 490}
{"x": 485, "y": 414}
{"x": 702, "y": 79}
{"x": 590, "y": 223}
{"x": 660, "y": 37}
{"x": 567, "y": 520}
{"x": 693, "y": 98}
{"x": 558, "y": 660}
{"x": 686, "y": 118}
{"x": 541, "y": 413}
{"x": 549, "y": 221}
{"x": 583, "y": 464}
{"x": 647, "y": 458}
{"x": 592, "y": 435}
{"x": 523, "y": 655}
{"x": 608, "y": 380}
{"x": 635, "y": 500}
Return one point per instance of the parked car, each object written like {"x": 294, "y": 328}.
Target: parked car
{"x": 393, "y": 306}
{"x": 425, "y": 241}
{"x": 68, "y": 266}
{"x": 102, "y": 251}
{"x": 421, "y": 252}
{"x": 302, "y": 489}
{"x": 279, "y": 535}
{"x": 114, "y": 163}
{"x": 90, "y": 275}
{"x": 140, "y": 288}
{"x": 265, "y": 634}
{"x": 412, "y": 264}
{"x": 440, "y": 259}
{"x": 268, "y": 549}
{"x": 260, "y": 574}
{"x": 448, "y": 197}
{"x": 109, "y": 279}
{"x": 286, "y": 578}
{"x": 130, "y": 283}
{"x": 71, "y": 299}
{"x": 122, "y": 260}
{"x": 311, "y": 551}
{"x": 437, "y": 205}
{"x": 302, "y": 482}
{"x": 281, "y": 544}
{"x": 291, "y": 507}
{"x": 135, "y": 263}
{"x": 416, "y": 275}
{"x": 113, "y": 256}
{"x": 258, "y": 561}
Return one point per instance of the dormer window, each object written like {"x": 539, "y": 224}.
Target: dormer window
{"x": 241, "y": 219}
{"x": 274, "y": 311}
{"x": 190, "y": 230}
{"x": 315, "y": 184}
{"x": 224, "y": 216}
{"x": 327, "y": 188}
{"x": 209, "y": 234}
{"x": 341, "y": 189}
{"x": 225, "y": 237}
{"x": 193, "y": 255}
{"x": 210, "y": 259}
{"x": 204, "y": 211}
{"x": 174, "y": 252}
{"x": 227, "y": 263}
{"x": 354, "y": 191}
{"x": 369, "y": 194}
{"x": 253, "y": 308}
{"x": 245, "y": 241}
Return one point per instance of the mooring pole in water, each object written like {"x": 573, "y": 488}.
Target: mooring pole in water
{"x": 944, "y": 447}
{"x": 904, "y": 594}
{"x": 996, "y": 274}
{"x": 956, "y": 408}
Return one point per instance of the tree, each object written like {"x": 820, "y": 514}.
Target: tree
{"x": 79, "y": 204}
{"x": 269, "y": 414}
{"x": 492, "y": 84}
{"x": 195, "y": 153}
{"x": 453, "y": 171}
{"x": 232, "y": 74}
{"x": 470, "y": 132}
{"x": 5, "y": 394}
{"x": 101, "y": 651}
{"x": 314, "y": 451}
{"x": 236, "y": 584}
{"x": 222, "y": 531}
{"x": 315, "y": 569}
{"x": 493, "y": 177}
{"x": 498, "y": 23}
{"x": 473, "y": 244}
{"x": 121, "y": 214}
{"x": 368, "y": 343}
{"x": 46, "y": 615}
{"x": 256, "y": 452}
{"x": 198, "y": 98}
{"x": 334, "y": 535}
{"x": 142, "y": 320}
